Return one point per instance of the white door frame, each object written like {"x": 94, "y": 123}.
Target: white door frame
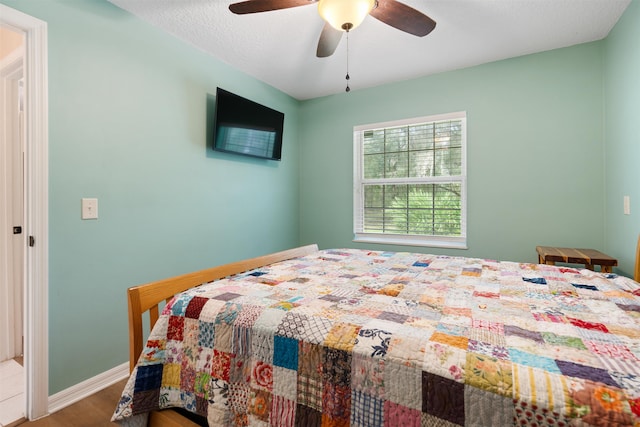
{"x": 36, "y": 225}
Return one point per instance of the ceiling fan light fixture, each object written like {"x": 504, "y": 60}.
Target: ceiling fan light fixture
{"x": 345, "y": 15}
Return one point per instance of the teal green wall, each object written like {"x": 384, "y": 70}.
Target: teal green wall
{"x": 622, "y": 133}
{"x": 128, "y": 125}
{"x": 535, "y": 148}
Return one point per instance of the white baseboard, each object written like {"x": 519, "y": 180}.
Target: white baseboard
{"x": 88, "y": 387}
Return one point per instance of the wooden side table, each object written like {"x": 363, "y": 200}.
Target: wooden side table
{"x": 588, "y": 257}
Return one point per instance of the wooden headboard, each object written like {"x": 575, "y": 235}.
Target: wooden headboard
{"x": 147, "y": 297}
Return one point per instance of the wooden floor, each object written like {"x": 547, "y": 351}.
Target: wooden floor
{"x": 94, "y": 411}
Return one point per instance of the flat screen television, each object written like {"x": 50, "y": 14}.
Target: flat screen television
{"x": 242, "y": 126}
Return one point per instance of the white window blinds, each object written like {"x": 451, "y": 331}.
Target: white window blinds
{"x": 410, "y": 181}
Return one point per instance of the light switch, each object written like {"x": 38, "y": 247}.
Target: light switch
{"x": 89, "y": 208}
{"x": 627, "y": 205}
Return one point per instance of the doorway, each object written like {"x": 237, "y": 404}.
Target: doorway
{"x": 24, "y": 85}
{"x": 12, "y": 248}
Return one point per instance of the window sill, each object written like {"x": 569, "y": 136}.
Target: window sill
{"x": 397, "y": 239}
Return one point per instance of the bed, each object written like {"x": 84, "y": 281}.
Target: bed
{"x": 343, "y": 337}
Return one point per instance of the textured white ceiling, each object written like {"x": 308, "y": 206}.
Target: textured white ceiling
{"x": 279, "y": 47}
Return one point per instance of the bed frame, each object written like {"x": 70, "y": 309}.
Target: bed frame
{"x": 148, "y": 297}
{"x": 636, "y": 274}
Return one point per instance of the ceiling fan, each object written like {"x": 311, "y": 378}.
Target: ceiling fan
{"x": 345, "y": 15}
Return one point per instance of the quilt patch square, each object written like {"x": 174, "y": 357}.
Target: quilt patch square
{"x": 285, "y": 383}
{"x": 368, "y": 375}
{"x": 262, "y": 376}
{"x": 533, "y": 360}
{"x": 342, "y": 336}
{"x": 260, "y": 404}
{"x": 224, "y": 334}
{"x": 226, "y": 296}
{"x": 523, "y": 333}
{"x": 488, "y": 373}
{"x": 585, "y": 372}
{"x": 594, "y": 326}
{"x": 228, "y": 314}
{"x": 428, "y": 420}
{"x": 171, "y": 376}
{"x": 201, "y": 385}
{"x": 562, "y": 340}
{"x": 292, "y": 326}
{"x": 336, "y": 367}
{"x": 536, "y": 280}
{"x": 178, "y": 305}
{"x": 206, "y": 334}
{"x": 285, "y": 352}
{"x": 527, "y": 414}
{"x": 148, "y": 377}
{"x": 190, "y": 336}
{"x": 611, "y": 350}
{"x": 587, "y": 287}
{"x": 443, "y": 398}
{"x": 483, "y": 408}
{"x": 187, "y": 378}
{"x": 398, "y": 415}
{"x": 495, "y": 327}
{"x": 451, "y": 340}
{"x": 630, "y": 383}
{"x": 499, "y": 352}
{"x": 221, "y": 365}
{"x": 202, "y": 405}
{"x": 237, "y": 396}
{"x": 153, "y": 353}
{"x": 367, "y": 410}
{"x": 459, "y": 330}
{"x": 239, "y": 369}
{"x": 606, "y": 405}
{"x": 283, "y": 412}
{"x": 403, "y": 384}
{"x": 175, "y": 329}
{"x": 145, "y": 401}
{"x": 336, "y": 404}
{"x": 195, "y": 307}
{"x": 307, "y": 416}
{"x": 393, "y": 317}
{"x": 373, "y": 342}
{"x": 486, "y": 336}
{"x": 310, "y": 369}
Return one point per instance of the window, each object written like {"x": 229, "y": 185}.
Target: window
{"x": 410, "y": 182}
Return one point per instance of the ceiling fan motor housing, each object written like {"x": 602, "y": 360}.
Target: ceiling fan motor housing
{"x": 345, "y": 15}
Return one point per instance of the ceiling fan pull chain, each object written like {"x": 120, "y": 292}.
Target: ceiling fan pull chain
{"x": 348, "y": 89}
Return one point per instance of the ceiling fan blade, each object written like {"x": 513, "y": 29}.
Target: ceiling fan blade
{"x": 403, "y": 17}
{"x": 255, "y": 6}
{"x": 328, "y": 42}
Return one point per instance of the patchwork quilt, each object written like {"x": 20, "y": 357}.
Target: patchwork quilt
{"x": 367, "y": 338}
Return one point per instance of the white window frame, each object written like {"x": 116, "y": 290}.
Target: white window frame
{"x": 457, "y": 242}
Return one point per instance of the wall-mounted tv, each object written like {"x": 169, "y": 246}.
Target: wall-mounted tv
{"x": 242, "y": 126}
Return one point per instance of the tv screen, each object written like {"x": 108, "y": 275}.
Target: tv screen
{"x": 246, "y": 127}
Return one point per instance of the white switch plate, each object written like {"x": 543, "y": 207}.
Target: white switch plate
{"x": 627, "y": 206}
{"x": 89, "y": 208}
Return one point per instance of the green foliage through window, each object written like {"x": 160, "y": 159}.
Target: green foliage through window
{"x": 412, "y": 179}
